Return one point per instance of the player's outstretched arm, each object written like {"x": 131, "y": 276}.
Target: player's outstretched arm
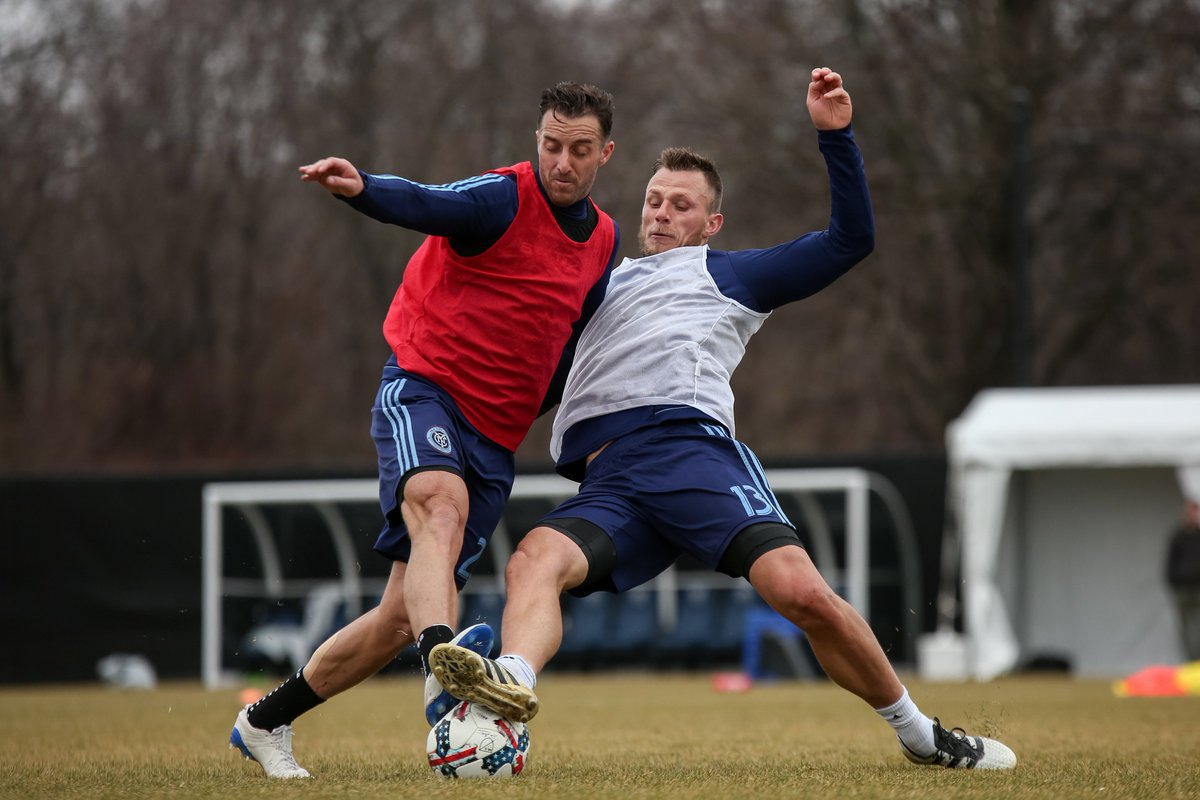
{"x": 337, "y": 175}
{"x": 828, "y": 101}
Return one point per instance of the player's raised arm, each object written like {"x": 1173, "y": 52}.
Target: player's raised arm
{"x": 765, "y": 279}
{"x": 828, "y": 101}
{"x": 337, "y": 175}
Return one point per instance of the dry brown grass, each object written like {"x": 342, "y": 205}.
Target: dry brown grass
{"x": 625, "y": 736}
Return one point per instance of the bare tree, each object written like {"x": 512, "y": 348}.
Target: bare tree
{"x": 171, "y": 295}
{"x": 1030, "y": 156}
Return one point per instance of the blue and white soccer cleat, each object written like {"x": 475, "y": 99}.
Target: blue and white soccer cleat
{"x": 478, "y": 638}
{"x": 271, "y": 749}
{"x": 957, "y": 750}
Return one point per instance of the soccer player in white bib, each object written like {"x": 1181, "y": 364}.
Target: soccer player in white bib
{"x": 647, "y": 426}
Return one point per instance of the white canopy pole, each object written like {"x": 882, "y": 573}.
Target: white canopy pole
{"x": 991, "y": 643}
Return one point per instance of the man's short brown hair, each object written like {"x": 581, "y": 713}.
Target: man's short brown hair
{"x": 577, "y": 100}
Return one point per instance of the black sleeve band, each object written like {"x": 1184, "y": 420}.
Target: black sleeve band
{"x": 752, "y": 542}
{"x": 599, "y": 550}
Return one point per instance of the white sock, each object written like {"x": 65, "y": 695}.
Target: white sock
{"x": 520, "y": 669}
{"x": 914, "y": 728}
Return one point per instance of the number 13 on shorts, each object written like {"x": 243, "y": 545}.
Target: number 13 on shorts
{"x": 753, "y": 500}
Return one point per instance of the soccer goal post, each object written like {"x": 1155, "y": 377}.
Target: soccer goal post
{"x": 330, "y": 498}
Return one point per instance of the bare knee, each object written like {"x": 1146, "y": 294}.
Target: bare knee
{"x": 546, "y": 557}
{"x": 435, "y": 505}
{"x": 520, "y": 568}
{"x": 439, "y": 508}
{"x": 525, "y": 568}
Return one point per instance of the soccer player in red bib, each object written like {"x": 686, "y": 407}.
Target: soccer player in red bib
{"x": 482, "y": 330}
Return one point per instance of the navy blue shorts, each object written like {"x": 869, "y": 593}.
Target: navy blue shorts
{"x": 416, "y": 427}
{"x": 683, "y": 487}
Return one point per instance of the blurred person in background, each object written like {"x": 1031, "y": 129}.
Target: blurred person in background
{"x": 647, "y": 427}
{"x": 482, "y": 330}
{"x": 1183, "y": 576}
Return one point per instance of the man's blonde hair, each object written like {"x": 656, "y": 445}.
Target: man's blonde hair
{"x": 683, "y": 159}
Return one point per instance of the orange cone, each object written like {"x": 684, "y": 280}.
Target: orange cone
{"x": 1156, "y": 681}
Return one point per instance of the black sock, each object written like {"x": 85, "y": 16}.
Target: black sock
{"x": 286, "y": 701}
{"x": 429, "y": 638}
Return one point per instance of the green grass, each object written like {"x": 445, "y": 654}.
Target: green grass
{"x": 626, "y": 736}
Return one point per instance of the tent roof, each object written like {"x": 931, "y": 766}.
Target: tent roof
{"x": 1061, "y": 427}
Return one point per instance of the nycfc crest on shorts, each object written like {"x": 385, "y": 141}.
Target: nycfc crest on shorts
{"x": 440, "y": 440}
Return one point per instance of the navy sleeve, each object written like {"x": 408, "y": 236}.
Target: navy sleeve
{"x": 479, "y": 208}
{"x": 766, "y": 279}
{"x": 590, "y": 303}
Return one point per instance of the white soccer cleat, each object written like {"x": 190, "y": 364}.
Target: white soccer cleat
{"x": 957, "y": 750}
{"x": 478, "y": 638}
{"x": 271, "y": 749}
{"x": 469, "y": 676}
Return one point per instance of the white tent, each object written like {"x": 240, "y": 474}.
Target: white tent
{"x": 1064, "y": 501}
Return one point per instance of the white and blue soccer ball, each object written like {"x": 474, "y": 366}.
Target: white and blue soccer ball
{"x": 475, "y": 742}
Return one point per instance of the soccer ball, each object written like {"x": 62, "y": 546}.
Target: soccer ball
{"x": 475, "y": 742}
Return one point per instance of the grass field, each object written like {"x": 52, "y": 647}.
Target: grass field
{"x": 625, "y": 736}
